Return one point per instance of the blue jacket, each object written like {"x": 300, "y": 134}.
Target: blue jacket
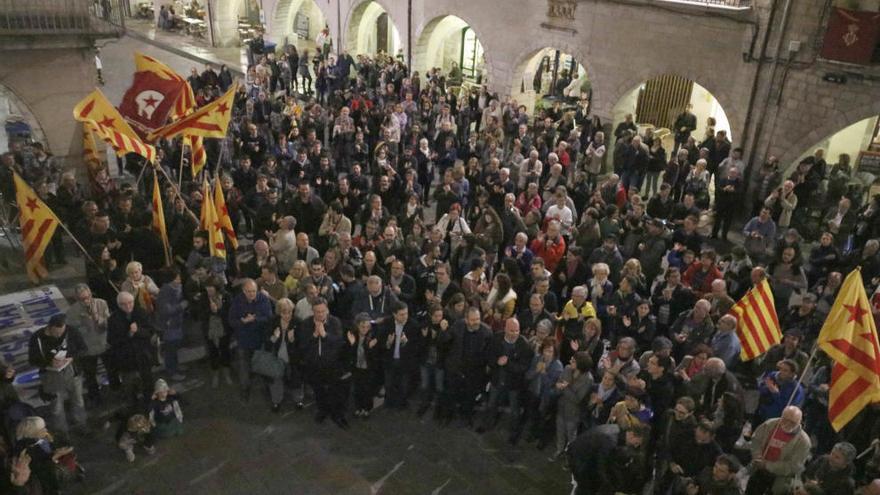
{"x": 250, "y": 336}
{"x": 770, "y": 405}
{"x": 170, "y": 306}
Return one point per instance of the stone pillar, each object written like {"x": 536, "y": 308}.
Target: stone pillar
{"x": 225, "y": 23}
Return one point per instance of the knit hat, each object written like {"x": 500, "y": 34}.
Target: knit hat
{"x": 160, "y": 386}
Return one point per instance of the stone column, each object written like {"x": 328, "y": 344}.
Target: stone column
{"x": 225, "y": 23}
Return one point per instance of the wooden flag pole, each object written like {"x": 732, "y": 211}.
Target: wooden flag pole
{"x": 86, "y": 253}
{"x": 180, "y": 173}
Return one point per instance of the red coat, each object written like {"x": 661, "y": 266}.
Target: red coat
{"x": 699, "y": 281}
{"x": 551, "y": 253}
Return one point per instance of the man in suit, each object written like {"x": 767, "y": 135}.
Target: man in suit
{"x": 128, "y": 335}
{"x": 399, "y": 337}
{"x": 321, "y": 345}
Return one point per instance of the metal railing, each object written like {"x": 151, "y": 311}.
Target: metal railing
{"x": 39, "y": 17}
{"x": 724, "y": 4}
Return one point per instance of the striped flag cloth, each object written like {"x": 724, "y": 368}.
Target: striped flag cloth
{"x": 159, "y": 218}
{"x": 197, "y": 152}
{"x": 849, "y": 336}
{"x": 223, "y": 214}
{"x": 106, "y": 121}
{"x": 38, "y": 224}
{"x": 211, "y": 222}
{"x": 211, "y": 120}
{"x": 186, "y": 102}
{"x": 757, "y": 324}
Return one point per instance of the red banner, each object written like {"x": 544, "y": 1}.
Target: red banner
{"x": 148, "y": 102}
{"x": 851, "y": 36}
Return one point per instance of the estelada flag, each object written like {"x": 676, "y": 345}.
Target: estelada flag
{"x": 149, "y": 101}
{"x": 186, "y": 101}
{"x": 849, "y": 337}
{"x": 90, "y": 152}
{"x": 107, "y": 123}
{"x": 223, "y": 214}
{"x": 757, "y": 324}
{"x": 210, "y": 121}
{"x": 211, "y": 223}
{"x": 38, "y": 224}
{"x": 159, "y": 218}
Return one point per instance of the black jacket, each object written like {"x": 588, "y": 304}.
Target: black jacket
{"x": 467, "y": 351}
{"x": 130, "y": 352}
{"x": 409, "y": 351}
{"x": 43, "y": 347}
{"x": 512, "y": 375}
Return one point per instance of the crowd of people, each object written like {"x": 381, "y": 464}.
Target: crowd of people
{"x": 441, "y": 248}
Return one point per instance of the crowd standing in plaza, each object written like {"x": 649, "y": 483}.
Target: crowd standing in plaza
{"x": 407, "y": 237}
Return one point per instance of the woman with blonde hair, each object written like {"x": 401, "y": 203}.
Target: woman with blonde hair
{"x": 633, "y": 268}
{"x": 141, "y": 286}
{"x": 280, "y": 343}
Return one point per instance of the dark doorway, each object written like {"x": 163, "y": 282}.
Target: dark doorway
{"x": 382, "y": 33}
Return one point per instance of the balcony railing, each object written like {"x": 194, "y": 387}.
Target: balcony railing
{"x": 47, "y": 17}
{"x": 721, "y": 4}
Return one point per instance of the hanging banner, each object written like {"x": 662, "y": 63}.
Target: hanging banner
{"x": 851, "y": 36}
{"x": 21, "y": 315}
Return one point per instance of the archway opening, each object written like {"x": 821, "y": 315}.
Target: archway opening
{"x": 550, "y": 74}
{"x": 658, "y": 102}
{"x": 858, "y": 147}
{"x": 19, "y": 124}
{"x": 371, "y": 31}
{"x": 449, "y": 43}
{"x": 297, "y": 22}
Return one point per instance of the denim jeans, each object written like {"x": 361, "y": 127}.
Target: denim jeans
{"x": 431, "y": 381}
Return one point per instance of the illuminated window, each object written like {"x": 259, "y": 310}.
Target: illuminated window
{"x": 471, "y": 53}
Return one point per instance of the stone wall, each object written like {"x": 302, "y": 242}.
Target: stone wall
{"x": 39, "y": 87}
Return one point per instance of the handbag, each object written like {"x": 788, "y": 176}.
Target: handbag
{"x": 267, "y": 364}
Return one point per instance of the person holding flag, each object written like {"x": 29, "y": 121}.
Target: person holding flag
{"x": 38, "y": 224}
{"x": 849, "y": 337}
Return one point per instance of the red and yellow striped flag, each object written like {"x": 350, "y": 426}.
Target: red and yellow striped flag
{"x": 90, "y": 151}
{"x": 849, "y": 336}
{"x": 223, "y": 214}
{"x": 211, "y": 223}
{"x": 106, "y": 121}
{"x": 211, "y": 120}
{"x": 197, "y": 153}
{"x": 757, "y": 324}
{"x": 159, "y": 218}
{"x": 38, "y": 224}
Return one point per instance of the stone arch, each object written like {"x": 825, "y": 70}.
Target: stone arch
{"x": 428, "y": 29}
{"x": 606, "y": 99}
{"x": 833, "y": 123}
{"x": 355, "y": 18}
{"x": 15, "y": 107}
{"x": 285, "y": 12}
{"x": 521, "y": 65}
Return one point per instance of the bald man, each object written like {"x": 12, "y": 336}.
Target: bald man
{"x": 248, "y": 316}
{"x": 509, "y": 358}
{"x": 780, "y": 448}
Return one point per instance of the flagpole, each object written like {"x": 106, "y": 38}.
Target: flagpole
{"x": 177, "y": 190}
{"x": 180, "y": 173}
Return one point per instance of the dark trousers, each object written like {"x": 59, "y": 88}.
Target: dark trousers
{"x": 89, "y": 366}
{"x": 723, "y": 218}
{"x": 760, "y": 483}
{"x": 219, "y": 355}
{"x": 363, "y": 389}
{"x": 397, "y": 379}
{"x": 328, "y": 390}
{"x": 536, "y": 421}
{"x": 461, "y": 392}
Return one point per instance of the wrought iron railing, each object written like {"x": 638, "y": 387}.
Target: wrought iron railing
{"x": 730, "y": 4}
{"x": 35, "y": 17}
